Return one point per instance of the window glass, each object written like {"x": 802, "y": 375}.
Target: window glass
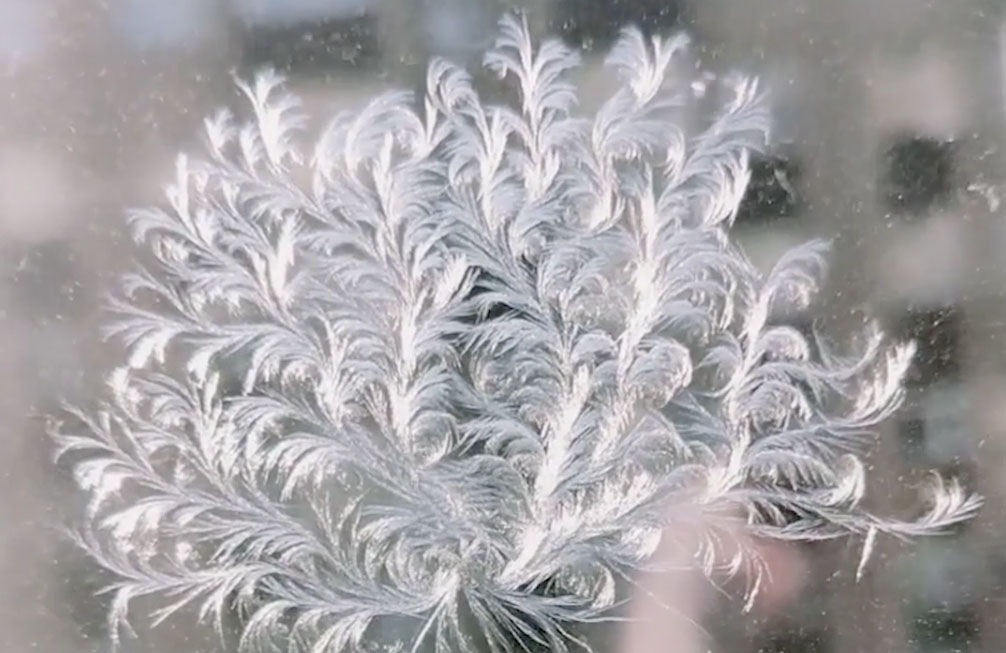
{"x": 884, "y": 141}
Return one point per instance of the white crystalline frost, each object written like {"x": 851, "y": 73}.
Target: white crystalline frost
{"x": 445, "y": 380}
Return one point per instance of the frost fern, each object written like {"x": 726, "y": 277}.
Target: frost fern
{"x": 448, "y": 378}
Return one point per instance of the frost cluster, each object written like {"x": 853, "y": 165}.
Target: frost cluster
{"x": 444, "y": 378}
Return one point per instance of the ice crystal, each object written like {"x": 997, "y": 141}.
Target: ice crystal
{"x": 446, "y": 380}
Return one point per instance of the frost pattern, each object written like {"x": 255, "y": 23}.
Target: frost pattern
{"x": 447, "y": 380}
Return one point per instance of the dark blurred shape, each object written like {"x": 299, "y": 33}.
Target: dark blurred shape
{"x": 918, "y": 173}
{"x": 595, "y": 24}
{"x": 946, "y": 630}
{"x": 796, "y": 639}
{"x": 771, "y": 192}
{"x": 923, "y": 444}
{"x": 937, "y": 335}
{"x": 912, "y": 437}
{"x": 314, "y": 48}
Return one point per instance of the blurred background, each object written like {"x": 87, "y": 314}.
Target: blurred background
{"x": 890, "y": 117}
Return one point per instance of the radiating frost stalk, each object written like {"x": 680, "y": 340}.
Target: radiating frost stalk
{"x": 453, "y": 389}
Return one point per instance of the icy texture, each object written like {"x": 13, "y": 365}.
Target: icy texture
{"x": 449, "y": 378}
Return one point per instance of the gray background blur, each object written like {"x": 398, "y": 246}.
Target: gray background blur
{"x": 890, "y": 118}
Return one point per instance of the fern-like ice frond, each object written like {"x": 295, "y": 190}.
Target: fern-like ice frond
{"x": 445, "y": 378}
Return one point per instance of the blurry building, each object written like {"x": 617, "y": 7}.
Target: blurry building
{"x": 894, "y": 114}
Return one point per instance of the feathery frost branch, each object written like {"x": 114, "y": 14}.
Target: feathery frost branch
{"x": 447, "y": 391}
